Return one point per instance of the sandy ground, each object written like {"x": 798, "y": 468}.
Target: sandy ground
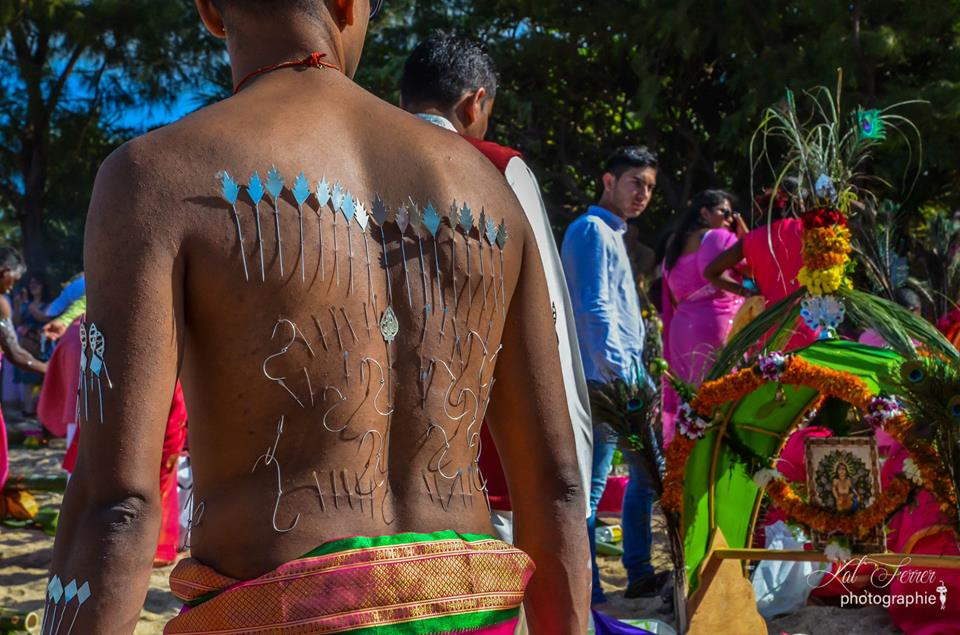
{"x": 25, "y": 558}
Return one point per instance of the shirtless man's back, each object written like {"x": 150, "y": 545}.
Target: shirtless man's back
{"x": 338, "y": 360}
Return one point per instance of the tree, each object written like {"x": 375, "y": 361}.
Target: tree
{"x": 691, "y": 78}
{"x": 68, "y": 67}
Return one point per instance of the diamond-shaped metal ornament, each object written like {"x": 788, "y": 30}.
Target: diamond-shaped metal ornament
{"x": 255, "y": 188}
{"x": 274, "y": 183}
{"x": 70, "y": 591}
{"x": 349, "y": 207}
{"x": 466, "y": 219}
{"x": 389, "y": 325}
{"x": 323, "y": 192}
{"x": 301, "y": 189}
{"x": 83, "y": 593}
{"x": 416, "y": 216}
{"x": 56, "y": 591}
{"x": 402, "y": 218}
{"x": 379, "y": 211}
{"x": 229, "y": 189}
{"x": 337, "y": 196}
{"x": 502, "y": 235}
{"x": 431, "y": 219}
{"x": 362, "y": 217}
{"x": 491, "y": 232}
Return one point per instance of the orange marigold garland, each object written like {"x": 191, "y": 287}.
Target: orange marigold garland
{"x": 795, "y": 370}
{"x": 824, "y": 520}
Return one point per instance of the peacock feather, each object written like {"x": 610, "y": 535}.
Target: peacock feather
{"x": 929, "y": 388}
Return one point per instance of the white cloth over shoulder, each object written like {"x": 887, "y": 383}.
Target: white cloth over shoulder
{"x": 525, "y": 186}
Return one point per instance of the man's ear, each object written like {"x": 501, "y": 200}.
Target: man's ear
{"x": 211, "y": 18}
{"x": 345, "y": 12}
{"x": 471, "y": 106}
{"x": 609, "y": 181}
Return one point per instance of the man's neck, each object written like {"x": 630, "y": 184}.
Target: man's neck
{"x": 285, "y": 42}
{"x": 436, "y": 112}
{"x": 613, "y": 209}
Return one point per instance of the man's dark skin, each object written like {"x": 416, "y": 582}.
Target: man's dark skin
{"x": 166, "y": 287}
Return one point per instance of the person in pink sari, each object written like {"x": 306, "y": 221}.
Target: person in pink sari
{"x": 773, "y": 255}
{"x": 697, "y": 315}
{"x": 11, "y": 269}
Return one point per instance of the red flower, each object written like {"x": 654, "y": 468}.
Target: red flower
{"x": 823, "y": 217}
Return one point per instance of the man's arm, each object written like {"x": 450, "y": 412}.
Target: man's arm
{"x": 11, "y": 345}
{"x": 111, "y": 511}
{"x": 531, "y": 427}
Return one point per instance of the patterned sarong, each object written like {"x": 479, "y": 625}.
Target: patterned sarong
{"x": 417, "y": 584}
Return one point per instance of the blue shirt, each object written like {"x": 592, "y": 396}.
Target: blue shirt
{"x": 606, "y": 306}
{"x": 70, "y": 294}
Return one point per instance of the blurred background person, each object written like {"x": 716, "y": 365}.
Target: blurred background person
{"x": 450, "y": 80}
{"x": 29, "y": 316}
{"x": 697, "y": 316}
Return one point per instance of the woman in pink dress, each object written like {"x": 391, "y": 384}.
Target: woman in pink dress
{"x": 697, "y": 315}
{"x": 11, "y": 269}
{"x": 773, "y": 254}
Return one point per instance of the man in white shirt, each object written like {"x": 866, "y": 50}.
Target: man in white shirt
{"x": 450, "y": 80}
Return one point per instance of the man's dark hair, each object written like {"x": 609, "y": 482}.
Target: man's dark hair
{"x": 11, "y": 259}
{"x": 444, "y": 67}
{"x": 628, "y": 158}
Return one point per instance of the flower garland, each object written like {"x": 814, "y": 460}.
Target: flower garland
{"x": 878, "y": 410}
{"x": 826, "y": 251}
{"x": 826, "y": 520}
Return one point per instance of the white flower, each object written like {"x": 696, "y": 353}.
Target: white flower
{"x": 835, "y": 552}
{"x": 912, "y": 472}
{"x": 825, "y": 188}
{"x": 764, "y": 476}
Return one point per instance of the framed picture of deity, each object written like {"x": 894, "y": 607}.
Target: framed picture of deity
{"x": 843, "y": 475}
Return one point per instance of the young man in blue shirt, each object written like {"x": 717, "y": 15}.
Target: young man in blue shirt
{"x": 611, "y": 333}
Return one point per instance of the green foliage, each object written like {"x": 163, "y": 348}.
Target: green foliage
{"x": 68, "y": 68}
{"x": 692, "y": 80}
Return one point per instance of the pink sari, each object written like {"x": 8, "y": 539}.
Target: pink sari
{"x": 4, "y": 459}
{"x": 697, "y": 318}
{"x": 774, "y": 254}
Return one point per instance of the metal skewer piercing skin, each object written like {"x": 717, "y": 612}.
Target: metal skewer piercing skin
{"x": 301, "y": 192}
{"x": 274, "y": 187}
{"x": 348, "y": 209}
{"x": 389, "y": 326}
{"x": 431, "y": 220}
{"x": 323, "y": 197}
{"x": 483, "y": 278}
{"x": 255, "y": 191}
{"x": 363, "y": 219}
{"x": 97, "y": 363}
{"x": 336, "y": 201}
{"x": 230, "y": 191}
{"x": 83, "y": 374}
{"x": 466, "y": 224}
{"x": 57, "y": 591}
{"x": 416, "y": 219}
{"x": 502, "y": 237}
{"x": 490, "y": 233}
{"x": 402, "y": 218}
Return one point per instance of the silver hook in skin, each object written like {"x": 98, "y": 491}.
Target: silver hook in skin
{"x": 369, "y": 361}
{"x": 443, "y": 452}
{"x": 329, "y": 410}
{"x": 271, "y": 457}
{"x": 283, "y": 351}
